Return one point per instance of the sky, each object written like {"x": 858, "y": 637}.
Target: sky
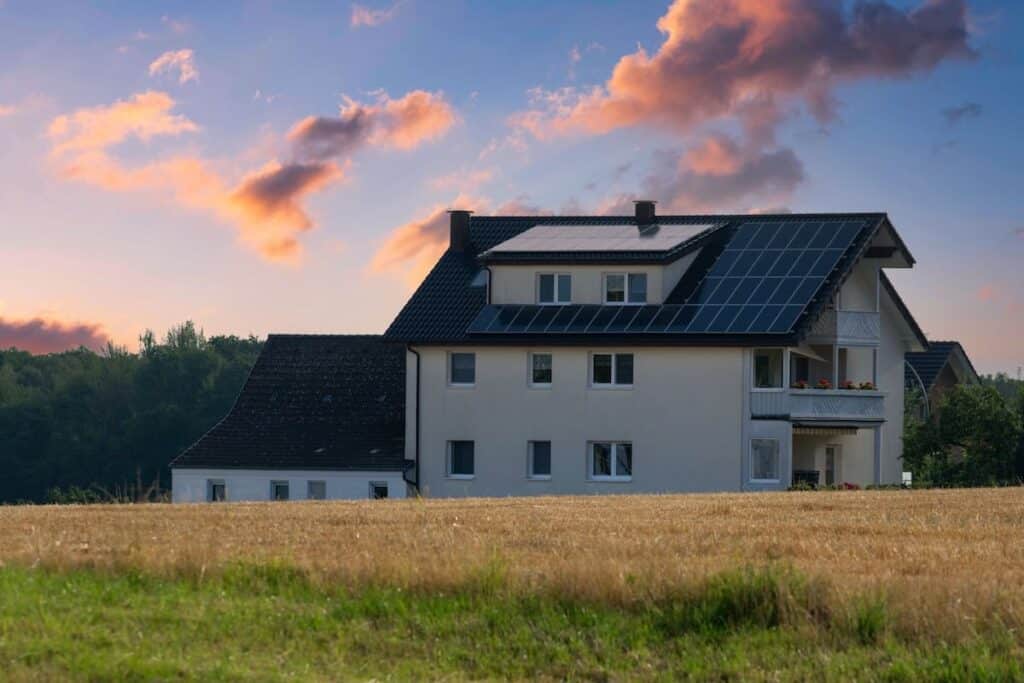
{"x": 264, "y": 167}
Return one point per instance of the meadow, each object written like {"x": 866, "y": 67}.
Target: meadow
{"x": 871, "y": 585}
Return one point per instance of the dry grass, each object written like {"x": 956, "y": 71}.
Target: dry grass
{"x": 940, "y": 556}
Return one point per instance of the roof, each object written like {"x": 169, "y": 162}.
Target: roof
{"x": 597, "y": 243}
{"x": 929, "y": 364}
{"x": 450, "y": 305}
{"x": 317, "y": 402}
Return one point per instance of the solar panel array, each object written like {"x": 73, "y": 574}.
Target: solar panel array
{"x": 762, "y": 281}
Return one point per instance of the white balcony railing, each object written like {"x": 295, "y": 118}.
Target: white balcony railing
{"x": 853, "y": 405}
{"x": 847, "y": 327}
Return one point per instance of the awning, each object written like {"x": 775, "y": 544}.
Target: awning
{"x": 799, "y": 430}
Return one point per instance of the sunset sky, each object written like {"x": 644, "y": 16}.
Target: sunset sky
{"x": 283, "y": 167}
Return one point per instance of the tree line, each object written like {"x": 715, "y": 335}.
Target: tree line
{"x": 81, "y": 425}
{"x": 973, "y": 437}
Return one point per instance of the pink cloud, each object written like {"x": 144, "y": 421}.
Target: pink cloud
{"x": 39, "y": 335}
{"x": 366, "y": 16}
{"x": 989, "y": 292}
{"x": 7, "y": 110}
{"x": 143, "y": 116}
{"x": 718, "y": 54}
{"x": 182, "y": 61}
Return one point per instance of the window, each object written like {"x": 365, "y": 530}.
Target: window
{"x": 554, "y": 288}
{"x": 540, "y": 369}
{"x": 768, "y": 368}
{"x": 462, "y": 369}
{"x": 764, "y": 460}
{"x": 278, "y": 490}
{"x": 378, "y": 490}
{"x": 217, "y": 492}
{"x": 316, "y": 490}
{"x": 611, "y": 369}
{"x": 831, "y": 465}
{"x": 538, "y": 464}
{"x": 460, "y": 459}
{"x": 611, "y": 461}
{"x": 623, "y": 288}
{"x": 801, "y": 368}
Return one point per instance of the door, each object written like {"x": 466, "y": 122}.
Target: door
{"x": 832, "y": 458}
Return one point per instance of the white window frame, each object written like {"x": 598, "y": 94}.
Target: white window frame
{"x": 309, "y": 489}
{"x": 210, "y": 483}
{"x": 601, "y": 385}
{"x": 274, "y": 483}
{"x": 555, "y": 301}
{"x": 778, "y": 459}
{"x": 625, "y": 289}
{"x": 451, "y": 360}
{"x": 529, "y": 461}
{"x": 784, "y": 384}
{"x": 529, "y": 369}
{"x": 449, "y": 446}
{"x": 613, "y": 477}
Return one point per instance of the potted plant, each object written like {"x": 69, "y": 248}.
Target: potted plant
{"x": 799, "y": 384}
{"x": 868, "y": 386}
{"x": 824, "y": 384}
{"x": 847, "y": 385}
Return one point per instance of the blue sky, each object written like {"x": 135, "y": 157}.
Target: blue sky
{"x": 94, "y": 256}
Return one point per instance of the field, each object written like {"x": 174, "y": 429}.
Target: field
{"x": 873, "y": 585}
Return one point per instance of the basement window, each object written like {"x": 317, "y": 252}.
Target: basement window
{"x": 764, "y": 461}
{"x": 216, "y": 491}
{"x": 316, "y": 490}
{"x": 538, "y": 465}
{"x": 278, "y": 490}
{"x": 378, "y": 490}
{"x": 460, "y": 459}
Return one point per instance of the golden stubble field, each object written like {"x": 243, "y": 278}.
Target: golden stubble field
{"x": 962, "y": 551}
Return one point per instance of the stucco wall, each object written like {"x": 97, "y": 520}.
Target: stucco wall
{"x": 684, "y": 417}
{"x": 512, "y": 284}
{"x": 190, "y": 486}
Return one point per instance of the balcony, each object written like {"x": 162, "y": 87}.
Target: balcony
{"x": 819, "y": 405}
{"x": 846, "y": 328}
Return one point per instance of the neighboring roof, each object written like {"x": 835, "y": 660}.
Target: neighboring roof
{"x": 597, "y": 243}
{"x": 445, "y": 306}
{"x": 929, "y": 364}
{"x": 313, "y": 402}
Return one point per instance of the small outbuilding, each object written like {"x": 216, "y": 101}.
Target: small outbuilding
{"x": 320, "y": 417}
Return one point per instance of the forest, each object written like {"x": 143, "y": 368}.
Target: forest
{"x": 80, "y": 426}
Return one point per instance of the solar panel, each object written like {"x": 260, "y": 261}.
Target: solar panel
{"x": 761, "y": 283}
{"x": 624, "y": 238}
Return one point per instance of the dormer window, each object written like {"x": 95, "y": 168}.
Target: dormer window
{"x": 554, "y": 288}
{"x": 625, "y": 288}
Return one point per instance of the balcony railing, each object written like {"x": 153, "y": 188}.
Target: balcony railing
{"x": 847, "y": 327}
{"x": 854, "y": 405}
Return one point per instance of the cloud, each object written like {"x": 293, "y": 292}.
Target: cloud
{"x": 144, "y": 116}
{"x": 178, "y": 26}
{"x": 719, "y": 54}
{"x": 7, "y": 110}
{"x": 181, "y": 61}
{"x": 270, "y": 202}
{"x": 403, "y": 123}
{"x": 466, "y": 180}
{"x": 413, "y": 248}
{"x": 989, "y": 292}
{"x": 39, "y": 335}
{"x": 365, "y": 16}
{"x": 967, "y": 110}
{"x": 266, "y": 205}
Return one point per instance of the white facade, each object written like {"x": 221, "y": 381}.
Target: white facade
{"x": 197, "y": 485}
{"x": 692, "y": 415}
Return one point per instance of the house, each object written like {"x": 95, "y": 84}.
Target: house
{"x": 319, "y": 417}
{"x": 934, "y": 372}
{"x": 647, "y": 353}
{"x": 594, "y": 354}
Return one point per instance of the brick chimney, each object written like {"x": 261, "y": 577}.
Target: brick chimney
{"x": 459, "y": 239}
{"x": 644, "y": 212}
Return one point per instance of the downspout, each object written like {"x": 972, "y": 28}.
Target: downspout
{"x": 416, "y": 440}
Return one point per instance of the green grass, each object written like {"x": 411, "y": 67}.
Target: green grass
{"x": 272, "y": 622}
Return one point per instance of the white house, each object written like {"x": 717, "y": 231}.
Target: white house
{"x": 594, "y": 354}
{"x": 558, "y": 355}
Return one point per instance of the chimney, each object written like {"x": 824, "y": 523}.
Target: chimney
{"x": 644, "y": 212}
{"x": 459, "y": 229}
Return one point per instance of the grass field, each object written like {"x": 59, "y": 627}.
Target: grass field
{"x": 872, "y": 585}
